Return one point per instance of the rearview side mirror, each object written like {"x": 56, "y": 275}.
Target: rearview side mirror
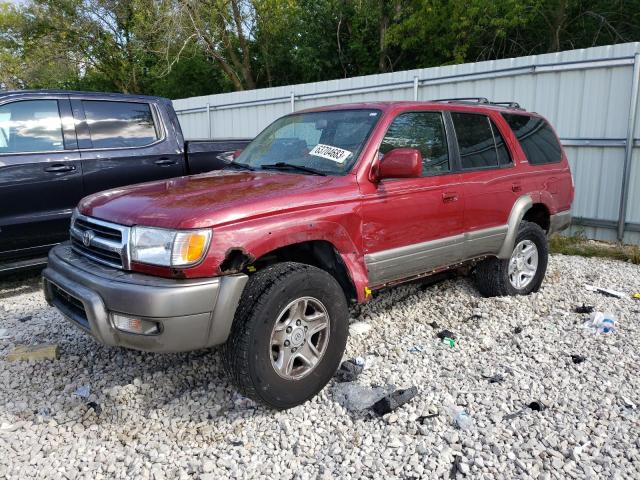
{"x": 400, "y": 163}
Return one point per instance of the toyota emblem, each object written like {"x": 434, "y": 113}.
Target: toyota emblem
{"x": 87, "y": 236}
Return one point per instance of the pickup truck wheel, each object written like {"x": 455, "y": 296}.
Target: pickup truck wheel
{"x": 288, "y": 335}
{"x": 523, "y": 272}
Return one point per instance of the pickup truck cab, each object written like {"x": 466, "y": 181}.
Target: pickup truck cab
{"x": 59, "y": 146}
{"x": 324, "y": 207}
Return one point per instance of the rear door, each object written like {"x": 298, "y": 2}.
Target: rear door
{"x": 414, "y": 225}
{"x": 124, "y": 142}
{"x": 40, "y": 174}
{"x": 491, "y": 183}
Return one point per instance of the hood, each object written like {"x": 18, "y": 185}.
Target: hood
{"x": 212, "y": 199}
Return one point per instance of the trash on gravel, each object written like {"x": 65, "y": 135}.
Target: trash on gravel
{"x": 44, "y": 413}
{"x": 33, "y": 352}
{"x": 432, "y": 412}
{"x": 601, "y": 323}
{"x": 4, "y": 334}
{"x": 417, "y": 349}
{"x": 460, "y": 417}
{"x": 349, "y": 371}
{"x": 83, "y": 391}
{"x": 584, "y": 309}
{"x": 578, "y": 358}
{"x": 434, "y": 325}
{"x": 355, "y": 397}
{"x": 25, "y": 319}
{"x": 455, "y": 467}
{"x": 636, "y": 296}
{"x": 497, "y": 378}
{"x": 606, "y": 291}
{"x": 240, "y": 401}
{"x": 448, "y": 337}
{"x": 394, "y": 400}
{"x": 95, "y": 407}
{"x": 475, "y": 316}
{"x": 536, "y": 406}
{"x": 359, "y": 328}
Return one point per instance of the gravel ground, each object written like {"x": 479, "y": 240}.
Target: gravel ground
{"x": 176, "y": 416}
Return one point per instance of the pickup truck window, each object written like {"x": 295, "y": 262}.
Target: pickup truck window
{"x": 536, "y": 137}
{"x": 120, "y": 124}
{"x": 423, "y": 131}
{"x": 327, "y": 141}
{"x": 30, "y": 126}
{"x": 478, "y": 147}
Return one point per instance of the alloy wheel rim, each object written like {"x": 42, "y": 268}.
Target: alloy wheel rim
{"x": 299, "y": 338}
{"x": 523, "y": 264}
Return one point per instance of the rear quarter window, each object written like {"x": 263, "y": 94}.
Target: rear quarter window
{"x": 536, "y": 137}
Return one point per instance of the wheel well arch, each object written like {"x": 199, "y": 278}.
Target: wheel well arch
{"x": 318, "y": 253}
{"x": 539, "y": 214}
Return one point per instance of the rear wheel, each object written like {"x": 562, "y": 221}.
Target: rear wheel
{"x": 520, "y": 274}
{"x": 288, "y": 335}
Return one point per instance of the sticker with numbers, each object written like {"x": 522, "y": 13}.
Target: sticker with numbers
{"x": 330, "y": 153}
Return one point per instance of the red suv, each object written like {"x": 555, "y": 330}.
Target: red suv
{"x": 322, "y": 208}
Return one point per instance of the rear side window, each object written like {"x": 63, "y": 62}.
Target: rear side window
{"x": 30, "y": 126}
{"x": 536, "y": 137}
{"x": 423, "y": 131}
{"x": 120, "y": 124}
{"x": 478, "y": 147}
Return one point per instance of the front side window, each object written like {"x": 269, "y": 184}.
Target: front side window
{"x": 423, "y": 131}
{"x": 30, "y": 126}
{"x": 536, "y": 137}
{"x": 327, "y": 141}
{"x": 475, "y": 140}
{"x": 120, "y": 124}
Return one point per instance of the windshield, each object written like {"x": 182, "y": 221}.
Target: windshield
{"x": 328, "y": 142}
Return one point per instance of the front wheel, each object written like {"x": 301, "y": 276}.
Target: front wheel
{"x": 288, "y": 334}
{"x": 520, "y": 274}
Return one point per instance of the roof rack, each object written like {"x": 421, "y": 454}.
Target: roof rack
{"x": 479, "y": 100}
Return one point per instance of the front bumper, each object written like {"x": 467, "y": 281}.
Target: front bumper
{"x": 192, "y": 314}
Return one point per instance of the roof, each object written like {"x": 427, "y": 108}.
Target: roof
{"x": 445, "y": 104}
{"x": 8, "y": 93}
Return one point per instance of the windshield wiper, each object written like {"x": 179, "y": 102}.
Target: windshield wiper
{"x": 291, "y": 166}
{"x": 243, "y": 166}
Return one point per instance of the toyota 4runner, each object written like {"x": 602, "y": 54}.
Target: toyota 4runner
{"x": 324, "y": 207}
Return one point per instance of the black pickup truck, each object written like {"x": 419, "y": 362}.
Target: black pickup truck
{"x": 59, "y": 146}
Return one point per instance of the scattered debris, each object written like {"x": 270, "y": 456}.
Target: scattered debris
{"x": 83, "y": 391}
{"x": 460, "y": 417}
{"x": 359, "y": 328}
{"x": 434, "y": 325}
{"x": 448, "y": 337}
{"x": 518, "y": 330}
{"x": 455, "y": 467}
{"x": 628, "y": 403}
{"x": 95, "y": 407}
{"x": 355, "y": 397}
{"x": 578, "y": 358}
{"x": 537, "y": 406}
{"x": 237, "y": 443}
{"x": 4, "y": 334}
{"x": 606, "y": 291}
{"x": 240, "y": 401}
{"x": 584, "y": 309}
{"x": 33, "y": 352}
{"x": 25, "y": 319}
{"x": 349, "y": 371}
{"x": 636, "y": 296}
{"x": 394, "y": 400}
{"x": 497, "y": 378}
{"x": 44, "y": 412}
{"x": 417, "y": 349}
{"x": 432, "y": 412}
{"x": 601, "y": 323}
{"x": 475, "y": 316}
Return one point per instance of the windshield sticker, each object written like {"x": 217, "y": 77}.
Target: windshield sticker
{"x": 336, "y": 154}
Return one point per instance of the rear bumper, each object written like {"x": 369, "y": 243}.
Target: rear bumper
{"x": 559, "y": 221}
{"x": 191, "y": 314}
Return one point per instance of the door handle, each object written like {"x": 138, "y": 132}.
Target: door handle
{"x": 164, "y": 161}
{"x": 60, "y": 167}
{"x": 449, "y": 197}
{"x": 516, "y": 187}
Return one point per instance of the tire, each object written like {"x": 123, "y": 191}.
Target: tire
{"x": 249, "y": 355}
{"x": 493, "y": 276}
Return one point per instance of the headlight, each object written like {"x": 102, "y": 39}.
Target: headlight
{"x": 169, "y": 248}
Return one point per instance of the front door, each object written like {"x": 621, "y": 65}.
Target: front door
{"x": 40, "y": 175}
{"x": 414, "y": 225}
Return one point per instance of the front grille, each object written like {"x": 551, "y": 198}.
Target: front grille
{"x": 70, "y": 305}
{"x": 100, "y": 241}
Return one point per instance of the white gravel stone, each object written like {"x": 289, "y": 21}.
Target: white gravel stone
{"x": 176, "y": 416}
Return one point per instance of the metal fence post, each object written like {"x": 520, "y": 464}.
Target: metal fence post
{"x": 293, "y": 101}
{"x": 628, "y": 149}
{"x": 415, "y": 89}
{"x": 209, "y": 120}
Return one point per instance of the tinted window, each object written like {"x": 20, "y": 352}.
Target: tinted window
{"x": 120, "y": 124}
{"x": 501, "y": 147}
{"x": 538, "y": 141}
{"x": 475, "y": 140}
{"x": 30, "y": 126}
{"x": 423, "y": 131}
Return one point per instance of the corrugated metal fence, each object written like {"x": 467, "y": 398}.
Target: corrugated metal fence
{"x": 589, "y": 95}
